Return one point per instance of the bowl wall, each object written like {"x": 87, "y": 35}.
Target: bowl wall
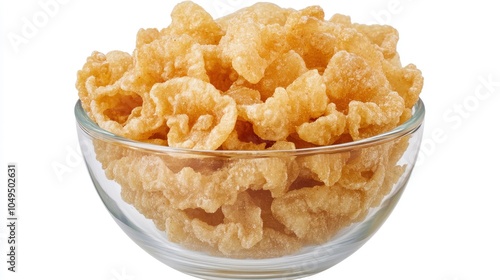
{"x": 251, "y": 215}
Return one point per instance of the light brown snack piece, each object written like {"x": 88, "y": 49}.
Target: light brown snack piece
{"x": 191, "y": 19}
{"x": 197, "y": 115}
{"x": 325, "y": 168}
{"x": 325, "y": 130}
{"x": 315, "y": 214}
{"x": 280, "y": 73}
{"x": 108, "y": 102}
{"x": 276, "y": 118}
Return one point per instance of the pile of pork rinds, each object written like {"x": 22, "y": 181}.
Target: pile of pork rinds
{"x": 264, "y": 77}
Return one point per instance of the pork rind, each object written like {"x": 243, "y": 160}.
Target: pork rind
{"x": 262, "y": 79}
{"x": 197, "y": 115}
{"x": 280, "y": 114}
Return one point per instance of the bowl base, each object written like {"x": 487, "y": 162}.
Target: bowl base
{"x": 308, "y": 261}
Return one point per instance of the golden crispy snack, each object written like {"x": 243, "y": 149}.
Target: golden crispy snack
{"x": 280, "y": 73}
{"x": 276, "y": 118}
{"x": 191, "y": 19}
{"x": 315, "y": 214}
{"x": 197, "y": 115}
{"x": 109, "y": 103}
{"x": 325, "y": 130}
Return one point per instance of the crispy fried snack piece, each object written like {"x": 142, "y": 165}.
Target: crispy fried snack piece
{"x": 385, "y": 37}
{"x": 364, "y": 93}
{"x": 191, "y": 19}
{"x": 165, "y": 58}
{"x": 315, "y": 214}
{"x": 244, "y": 46}
{"x": 325, "y": 130}
{"x": 325, "y": 168}
{"x": 197, "y": 115}
{"x": 280, "y": 73}
{"x": 280, "y": 114}
{"x": 243, "y": 138}
{"x": 109, "y": 103}
{"x": 265, "y": 13}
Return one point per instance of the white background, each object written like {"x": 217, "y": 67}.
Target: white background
{"x": 446, "y": 226}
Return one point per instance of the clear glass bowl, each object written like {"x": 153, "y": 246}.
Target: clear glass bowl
{"x": 251, "y": 214}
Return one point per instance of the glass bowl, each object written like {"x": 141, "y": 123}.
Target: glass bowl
{"x": 251, "y": 214}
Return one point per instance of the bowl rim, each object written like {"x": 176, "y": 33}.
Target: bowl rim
{"x": 90, "y": 128}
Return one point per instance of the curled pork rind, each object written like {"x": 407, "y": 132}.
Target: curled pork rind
{"x": 280, "y": 114}
{"x": 263, "y": 78}
{"x": 197, "y": 115}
